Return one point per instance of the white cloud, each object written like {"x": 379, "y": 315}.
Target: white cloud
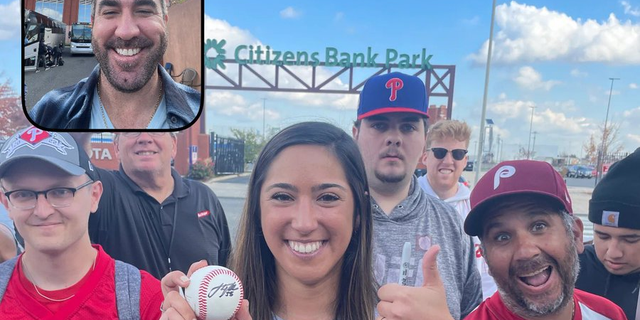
{"x": 632, "y": 114}
{"x": 578, "y": 74}
{"x": 290, "y": 13}
{"x": 527, "y": 34}
{"x": 10, "y": 20}
{"x": 233, "y": 104}
{"x": 613, "y": 92}
{"x": 339, "y": 16}
{"x": 529, "y": 78}
{"x": 634, "y": 137}
{"x": 548, "y": 117}
{"x": 633, "y": 85}
{"x": 630, "y": 10}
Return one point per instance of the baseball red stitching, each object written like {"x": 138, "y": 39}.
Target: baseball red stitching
{"x": 202, "y": 290}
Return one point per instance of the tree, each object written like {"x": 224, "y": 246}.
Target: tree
{"x": 12, "y": 117}
{"x": 525, "y": 154}
{"x": 612, "y": 144}
{"x": 253, "y": 143}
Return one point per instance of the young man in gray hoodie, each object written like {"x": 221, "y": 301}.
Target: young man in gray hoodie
{"x": 391, "y": 133}
{"x": 446, "y": 157}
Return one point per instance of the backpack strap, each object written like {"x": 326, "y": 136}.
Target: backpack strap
{"x": 6, "y": 270}
{"x": 128, "y": 281}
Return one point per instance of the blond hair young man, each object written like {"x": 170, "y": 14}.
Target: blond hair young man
{"x": 445, "y": 159}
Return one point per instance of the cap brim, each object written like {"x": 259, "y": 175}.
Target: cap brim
{"x": 391, "y": 110}
{"x": 67, "y": 167}
{"x": 475, "y": 217}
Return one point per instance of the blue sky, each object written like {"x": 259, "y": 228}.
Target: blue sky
{"x": 556, "y": 55}
{"x": 10, "y": 50}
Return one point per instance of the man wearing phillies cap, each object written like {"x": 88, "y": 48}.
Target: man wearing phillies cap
{"x": 50, "y": 188}
{"x": 611, "y": 266}
{"x": 521, "y": 211}
{"x": 390, "y": 131}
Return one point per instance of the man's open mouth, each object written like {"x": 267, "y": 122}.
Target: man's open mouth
{"x": 538, "y": 277}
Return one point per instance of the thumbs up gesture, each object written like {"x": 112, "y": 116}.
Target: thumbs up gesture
{"x": 416, "y": 303}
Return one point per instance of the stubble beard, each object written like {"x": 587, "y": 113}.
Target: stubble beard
{"x": 390, "y": 178}
{"x": 148, "y": 68}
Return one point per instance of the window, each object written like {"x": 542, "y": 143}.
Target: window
{"x": 50, "y": 8}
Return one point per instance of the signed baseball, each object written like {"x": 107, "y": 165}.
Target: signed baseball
{"x": 215, "y": 293}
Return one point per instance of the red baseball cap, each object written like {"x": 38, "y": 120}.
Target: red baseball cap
{"x": 515, "y": 177}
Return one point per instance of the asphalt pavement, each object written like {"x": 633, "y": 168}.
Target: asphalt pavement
{"x": 74, "y": 69}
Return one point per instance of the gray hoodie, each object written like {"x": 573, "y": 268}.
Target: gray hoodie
{"x": 424, "y": 220}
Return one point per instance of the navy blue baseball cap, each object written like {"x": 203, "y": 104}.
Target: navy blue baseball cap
{"x": 393, "y": 92}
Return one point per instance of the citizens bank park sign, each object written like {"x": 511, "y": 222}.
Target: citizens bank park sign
{"x": 265, "y": 55}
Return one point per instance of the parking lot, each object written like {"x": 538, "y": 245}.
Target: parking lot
{"x": 74, "y": 69}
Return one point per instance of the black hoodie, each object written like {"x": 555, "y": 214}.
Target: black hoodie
{"x": 621, "y": 290}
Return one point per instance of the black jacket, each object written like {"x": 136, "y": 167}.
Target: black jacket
{"x": 133, "y": 227}
{"x": 621, "y": 290}
{"x": 70, "y": 107}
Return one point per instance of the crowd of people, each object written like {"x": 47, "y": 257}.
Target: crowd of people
{"x": 321, "y": 236}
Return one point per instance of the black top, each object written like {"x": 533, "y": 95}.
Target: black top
{"x": 594, "y": 278}
{"x": 133, "y": 227}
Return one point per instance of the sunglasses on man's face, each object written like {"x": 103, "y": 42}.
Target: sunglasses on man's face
{"x": 440, "y": 153}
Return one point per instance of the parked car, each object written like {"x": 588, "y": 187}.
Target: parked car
{"x": 571, "y": 171}
{"x": 469, "y": 166}
{"x": 579, "y": 171}
{"x": 584, "y": 172}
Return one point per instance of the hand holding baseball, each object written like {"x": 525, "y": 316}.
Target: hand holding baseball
{"x": 427, "y": 302}
{"x": 176, "y": 307}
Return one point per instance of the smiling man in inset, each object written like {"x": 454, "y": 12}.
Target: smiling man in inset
{"x": 128, "y": 89}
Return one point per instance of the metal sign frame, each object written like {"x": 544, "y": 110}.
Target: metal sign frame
{"x": 440, "y": 88}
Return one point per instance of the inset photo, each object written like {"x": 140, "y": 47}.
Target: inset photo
{"x": 112, "y": 65}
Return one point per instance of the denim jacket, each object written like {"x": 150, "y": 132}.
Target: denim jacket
{"x": 70, "y": 107}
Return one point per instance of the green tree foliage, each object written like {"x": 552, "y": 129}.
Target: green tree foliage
{"x": 253, "y": 143}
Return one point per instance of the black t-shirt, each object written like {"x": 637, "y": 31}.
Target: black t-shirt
{"x": 133, "y": 227}
{"x": 594, "y": 278}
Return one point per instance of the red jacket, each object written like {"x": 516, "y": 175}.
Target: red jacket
{"x": 587, "y": 306}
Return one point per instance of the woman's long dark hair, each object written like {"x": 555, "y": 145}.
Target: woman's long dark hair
{"x": 255, "y": 264}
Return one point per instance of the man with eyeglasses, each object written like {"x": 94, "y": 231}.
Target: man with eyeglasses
{"x": 50, "y": 188}
{"x": 445, "y": 159}
{"x": 391, "y": 133}
{"x": 150, "y": 216}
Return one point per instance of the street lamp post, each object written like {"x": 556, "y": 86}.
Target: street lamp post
{"x": 484, "y": 98}
{"x": 533, "y": 148}
{"x": 264, "y": 102}
{"x": 530, "y": 128}
{"x": 604, "y": 135}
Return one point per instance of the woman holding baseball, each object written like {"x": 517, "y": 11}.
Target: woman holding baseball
{"x": 304, "y": 241}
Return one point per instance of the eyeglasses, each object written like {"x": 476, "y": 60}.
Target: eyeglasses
{"x": 440, "y": 153}
{"x": 59, "y": 197}
{"x": 130, "y": 134}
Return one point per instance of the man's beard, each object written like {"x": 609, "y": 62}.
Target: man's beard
{"x": 149, "y": 66}
{"x": 389, "y": 178}
{"x": 518, "y": 303}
